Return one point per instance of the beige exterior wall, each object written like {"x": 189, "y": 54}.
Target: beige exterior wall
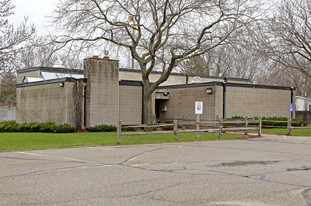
{"x": 46, "y": 102}
{"x": 107, "y": 102}
{"x": 182, "y": 101}
{"x": 130, "y": 104}
{"x": 20, "y": 76}
{"x": 102, "y": 106}
{"x": 173, "y": 79}
{"x": 218, "y": 101}
{"x": 240, "y": 101}
{"x": 255, "y": 102}
{"x": 136, "y": 76}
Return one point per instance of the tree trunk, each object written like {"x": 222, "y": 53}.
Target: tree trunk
{"x": 148, "y": 111}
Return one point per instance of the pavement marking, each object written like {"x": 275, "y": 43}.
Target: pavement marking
{"x": 57, "y": 157}
{"x": 101, "y": 148}
{"x": 239, "y": 203}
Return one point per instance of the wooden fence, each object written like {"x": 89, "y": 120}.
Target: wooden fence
{"x": 218, "y": 127}
{"x": 290, "y": 127}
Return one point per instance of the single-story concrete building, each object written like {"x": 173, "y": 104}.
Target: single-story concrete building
{"x": 104, "y": 94}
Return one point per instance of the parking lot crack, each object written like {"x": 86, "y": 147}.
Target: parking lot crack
{"x": 155, "y": 190}
{"x": 307, "y": 196}
{"x": 139, "y": 154}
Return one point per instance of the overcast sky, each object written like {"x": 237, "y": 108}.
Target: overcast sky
{"x": 38, "y": 10}
{"x": 35, "y": 10}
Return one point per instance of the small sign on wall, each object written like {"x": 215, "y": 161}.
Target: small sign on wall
{"x": 198, "y": 107}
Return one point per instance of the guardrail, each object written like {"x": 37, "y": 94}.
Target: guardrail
{"x": 219, "y": 128}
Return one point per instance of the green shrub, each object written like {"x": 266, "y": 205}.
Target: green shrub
{"x": 35, "y": 127}
{"x": 65, "y": 128}
{"x": 273, "y": 124}
{"x": 24, "y": 127}
{"x": 8, "y": 126}
{"x": 129, "y": 129}
{"x": 45, "y": 127}
{"x": 279, "y": 124}
{"x": 237, "y": 117}
{"x": 48, "y": 127}
{"x": 102, "y": 128}
{"x": 168, "y": 127}
{"x": 297, "y": 124}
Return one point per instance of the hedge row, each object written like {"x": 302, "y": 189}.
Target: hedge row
{"x": 45, "y": 127}
{"x": 276, "y": 124}
{"x": 102, "y": 128}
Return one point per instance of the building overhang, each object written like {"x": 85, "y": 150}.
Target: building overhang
{"x": 52, "y": 81}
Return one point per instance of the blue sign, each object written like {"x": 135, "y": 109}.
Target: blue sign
{"x": 291, "y": 108}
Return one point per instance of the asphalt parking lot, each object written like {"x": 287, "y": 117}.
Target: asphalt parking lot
{"x": 272, "y": 170}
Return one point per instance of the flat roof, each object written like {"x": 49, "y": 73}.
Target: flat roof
{"x": 189, "y": 75}
{"x": 51, "y": 81}
{"x": 51, "y": 69}
{"x": 78, "y": 71}
{"x": 227, "y": 84}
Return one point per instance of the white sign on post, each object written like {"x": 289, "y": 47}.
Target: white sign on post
{"x": 198, "y": 107}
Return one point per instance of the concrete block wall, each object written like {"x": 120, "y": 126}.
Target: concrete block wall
{"x": 136, "y": 76}
{"x": 46, "y": 102}
{"x": 102, "y": 95}
{"x": 20, "y": 76}
{"x": 182, "y": 102}
{"x": 174, "y": 79}
{"x": 254, "y": 102}
{"x": 218, "y": 101}
{"x": 131, "y": 104}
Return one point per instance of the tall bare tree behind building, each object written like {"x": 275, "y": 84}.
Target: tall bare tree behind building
{"x": 8, "y": 89}
{"x": 159, "y": 33}
{"x": 287, "y": 35}
{"x": 38, "y": 51}
{"x": 11, "y": 37}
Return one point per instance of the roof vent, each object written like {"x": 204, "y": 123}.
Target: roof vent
{"x": 106, "y": 53}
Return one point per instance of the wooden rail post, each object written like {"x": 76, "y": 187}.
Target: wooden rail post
{"x": 220, "y": 127}
{"x": 183, "y": 122}
{"x": 289, "y": 125}
{"x": 260, "y": 126}
{"x": 175, "y": 129}
{"x": 246, "y": 125}
{"x": 119, "y": 131}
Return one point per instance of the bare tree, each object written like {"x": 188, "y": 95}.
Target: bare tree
{"x": 77, "y": 95}
{"x": 8, "y": 89}
{"x": 287, "y": 35}
{"x": 11, "y": 37}
{"x": 281, "y": 75}
{"x": 198, "y": 65}
{"x": 159, "y": 33}
{"x": 37, "y": 52}
{"x": 228, "y": 60}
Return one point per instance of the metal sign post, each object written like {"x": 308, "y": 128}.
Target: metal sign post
{"x": 291, "y": 109}
{"x": 198, "y": 112}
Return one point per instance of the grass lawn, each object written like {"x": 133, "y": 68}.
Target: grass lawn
{"x": 36, "y": 141}
{"x": 295, "y": 132}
